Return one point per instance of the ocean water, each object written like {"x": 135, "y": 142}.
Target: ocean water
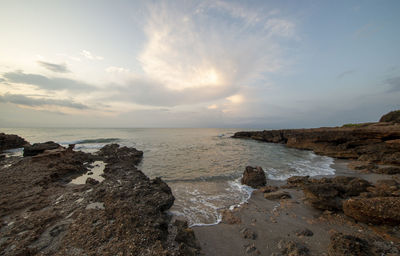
{"x": 203, "y": 167}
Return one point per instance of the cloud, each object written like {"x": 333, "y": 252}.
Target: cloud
{"x": 152, "y": 93}
{"x": 366, "y": 31}
{"x": 345, "y": 73}
{"x": 90, "y": 56}
{"x": 394, "y": 83}
{"x": 187, "y": 49}
{"x": 117, "y": 70}
{"x": 47, "y": 83}
{"x": 59, "y": 68}
{"x": 20, "y": 99}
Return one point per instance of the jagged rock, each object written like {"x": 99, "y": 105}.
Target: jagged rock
{"x": 298, "y": 181}
{"x": 92, "y": 181}
{"x": 126, "y": 214}
{"x": 186, "y": 238}
{"x": 39, "y": 148}
{"x": 393, "y": 116}
{"x": 348, "y": 245}
{"x": 329, "y": 193}
{"x": 383, "y": 188}
{"x": 114, "y": 153}
{"x": 10, "y": 141}
{"x": 291, "y": 248}
{"x": 277, "y": 195}
{"x": 377, "y": 210}
{"x": 254, "y": 177}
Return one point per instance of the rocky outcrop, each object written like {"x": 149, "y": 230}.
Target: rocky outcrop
{"x": 329, "y": 193}
{"x": 376, "y": 142}
{"x": 393, "y": 116}
{"x": 290, "y": 248}
{"x": 42, "y": 214}
{"x": 348, "y": 245}
{"x": 39, "y": 148}
{"x": 10, "y": 141}
{"x": 377, "y": 210}
{"x": 254, "y": 177}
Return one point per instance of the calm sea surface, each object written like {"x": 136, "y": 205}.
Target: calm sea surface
{"x": 202, "y": 166}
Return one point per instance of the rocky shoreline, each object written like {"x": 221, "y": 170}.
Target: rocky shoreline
{"x": 43, "y": 213}
{"x": 354, "y": 212}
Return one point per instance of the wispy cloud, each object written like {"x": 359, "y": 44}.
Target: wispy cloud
{"x": 20, "y": 99}
{"x": 59, "y": 68}
{"x": 345, "y": 73}
{"x": 47, "y": 83}
{"x": 90, "y": 56}
{"x": 365, "y": 31}
{"x": 192, "y": 49}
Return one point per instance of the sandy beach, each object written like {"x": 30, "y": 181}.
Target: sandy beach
{"x": 262, "y": 226}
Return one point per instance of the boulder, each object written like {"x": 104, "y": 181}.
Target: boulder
{"x": 377, "y": 210}
{"x": 10, "y": 141}
{"x": 348, "y": 245}
{"x": 39, "y": 148}
{"x": 113, "y": 153}
{"x": 393, "y": 116}
{"x": 329, "y": 193}
{"x": 254, "y": 177}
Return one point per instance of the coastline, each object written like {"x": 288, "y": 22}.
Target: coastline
{"x": 89, "y": 218}
{"x": 276, "y": 222}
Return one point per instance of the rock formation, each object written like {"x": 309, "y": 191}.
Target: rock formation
{"x": 393, "y": 116}
{"x": 42, "y": 214}
{"x": 254, "y": 177}
{"x": 10, "y": 141}
{"x": 373, "y": 142}
{"x": 38, "y": 148}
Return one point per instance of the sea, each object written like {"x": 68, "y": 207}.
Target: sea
{"x": 203, "y": 167}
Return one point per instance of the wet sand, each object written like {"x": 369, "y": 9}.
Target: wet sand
{"x": 261, "y": 225}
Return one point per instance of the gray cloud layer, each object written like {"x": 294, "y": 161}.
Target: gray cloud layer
{"x": 59, "y": 68}
{"x": 47, "y": 83}
{"x": 394, "y": 84}
{"x": 33, "y": 102}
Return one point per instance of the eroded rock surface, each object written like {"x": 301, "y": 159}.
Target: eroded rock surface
{"x": 377, "y": 210}
{"x": 254, "y": 177}
{"x": 376, "y": 142}
{"x": 42, "y": 213}
{"x": 39, "y": 148}
{"x": 10, "y": 141}
{"x": 348, "y": 245}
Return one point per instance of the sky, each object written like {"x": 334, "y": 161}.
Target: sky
{"x": 239, "y": 64}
